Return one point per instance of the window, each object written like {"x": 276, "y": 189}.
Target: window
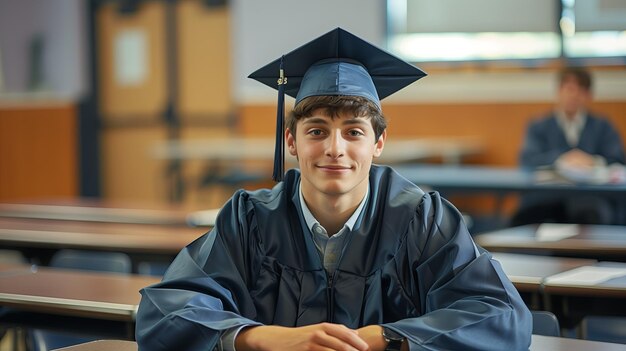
{"x": 479, "y": 30}
{"x": 594, "y": 28}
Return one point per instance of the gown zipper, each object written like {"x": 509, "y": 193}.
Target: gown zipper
{"x": 330, "y": 297}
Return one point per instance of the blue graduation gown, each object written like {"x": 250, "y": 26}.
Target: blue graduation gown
{"x": 409, "y": 263}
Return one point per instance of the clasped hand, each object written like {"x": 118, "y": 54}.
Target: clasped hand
{"x": 322, "y": 336}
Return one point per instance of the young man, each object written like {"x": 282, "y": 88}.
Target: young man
{"x": 341, "y": 254}
{"x": 570, "y": 139}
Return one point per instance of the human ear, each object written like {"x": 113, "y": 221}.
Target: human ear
{"x": 380, "y": 144}
{"x": 291, "y": 142}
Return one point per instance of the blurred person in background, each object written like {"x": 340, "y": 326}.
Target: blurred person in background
{"x": 577, "y": 144}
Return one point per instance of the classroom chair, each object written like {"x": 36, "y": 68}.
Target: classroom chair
{"x": 604, "y": 328}
{"x": 44, "y": 340}
{"x": 545, "y": 323}
{"x": 152, "y": 268}
{"x": 92, "y": 261}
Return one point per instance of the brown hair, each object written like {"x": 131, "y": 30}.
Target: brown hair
{"x": 335, "y": 105}
{"x": 580, "y": 75}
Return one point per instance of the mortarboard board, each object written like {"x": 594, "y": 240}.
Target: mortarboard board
{"x": 336, "y": 63}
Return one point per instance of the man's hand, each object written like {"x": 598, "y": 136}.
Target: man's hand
{"x": 323, "y": 336}
{"x": 373, "y": 336}
{"x": 576, "y": 159}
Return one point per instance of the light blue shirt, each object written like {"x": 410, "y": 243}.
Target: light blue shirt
{"x": 329, "y": 248}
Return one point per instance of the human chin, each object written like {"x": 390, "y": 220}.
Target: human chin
{"x": 334, "y": 187}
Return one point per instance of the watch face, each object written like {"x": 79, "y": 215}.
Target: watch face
{"x": 391, "y": 335}
{"x": 393, "y": 339}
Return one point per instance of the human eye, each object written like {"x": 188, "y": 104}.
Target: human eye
{"x": 355, "y": 133}
{"x": 315, "y": 132}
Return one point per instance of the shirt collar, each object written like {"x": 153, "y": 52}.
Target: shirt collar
{"x": 578, "y": 121}
{"x": 311, "y": 221}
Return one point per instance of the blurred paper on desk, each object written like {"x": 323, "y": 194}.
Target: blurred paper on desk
{"x": 587, "y": 275}
{"x": 617, "y": 173}
{"x": 556, "y": 231}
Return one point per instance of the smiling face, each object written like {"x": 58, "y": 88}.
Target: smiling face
{"x": 334, "y": 154}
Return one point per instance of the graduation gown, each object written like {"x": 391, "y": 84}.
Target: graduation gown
{"x": 409, "y": 264}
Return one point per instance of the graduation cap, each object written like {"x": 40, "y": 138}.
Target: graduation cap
{"x": 336, "y": 63}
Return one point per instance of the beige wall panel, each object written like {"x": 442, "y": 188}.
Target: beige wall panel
{"x": 142, "y": 98}
{"x": 130, "y": 172}
{"x": 204, "y": 60}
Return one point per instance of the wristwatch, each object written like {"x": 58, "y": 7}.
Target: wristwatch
{"x": 393, "y": 339}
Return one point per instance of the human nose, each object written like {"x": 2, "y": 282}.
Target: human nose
{"x": 336, "y": 145}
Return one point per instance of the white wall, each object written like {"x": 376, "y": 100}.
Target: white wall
{"x": 62, "y": 25}
{"x": 263, "y": 30}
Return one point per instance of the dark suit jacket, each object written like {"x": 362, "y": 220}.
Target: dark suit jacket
{"x": 545, "y": 142}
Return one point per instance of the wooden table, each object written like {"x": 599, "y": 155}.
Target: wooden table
{"x": 503, "y": 181}
{"x": 602, "y": 242}
{"x": 572, "y": 299}
{"x": 88, "y": 296}
{"x": 15, "y": 268}
{"x": 539, "y": 343}
{"x": 499, "y": 180}
{"x": 549, "y": 343}
{"x": 39, "y": 239}
{"x": 142, "y": 238}
{"x": 104, "y": 345}
{"x": 97, "y": 211}
{"x": 527, "y": 273}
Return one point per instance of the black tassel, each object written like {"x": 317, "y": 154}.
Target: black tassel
{"x": 279, "y": 150}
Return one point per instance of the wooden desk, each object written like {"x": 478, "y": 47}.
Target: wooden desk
{"x": 549, "y": 343}
{"x": 498, "y": 180}
{"x": 76, "y": 293}
{"x": 55, "y": 234}
{"x": 527, "y": 273}
{"x": 39, "y": 239}
{"x": 571, "y": 299}
{"x": 96, "y": 211}
{"x": 539, "y": 343}
{"x": 602, "y": 242}
{"x": 89, "y": 296}
{"x": 15, "y": 268}
{"x": 103, "y": 345}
